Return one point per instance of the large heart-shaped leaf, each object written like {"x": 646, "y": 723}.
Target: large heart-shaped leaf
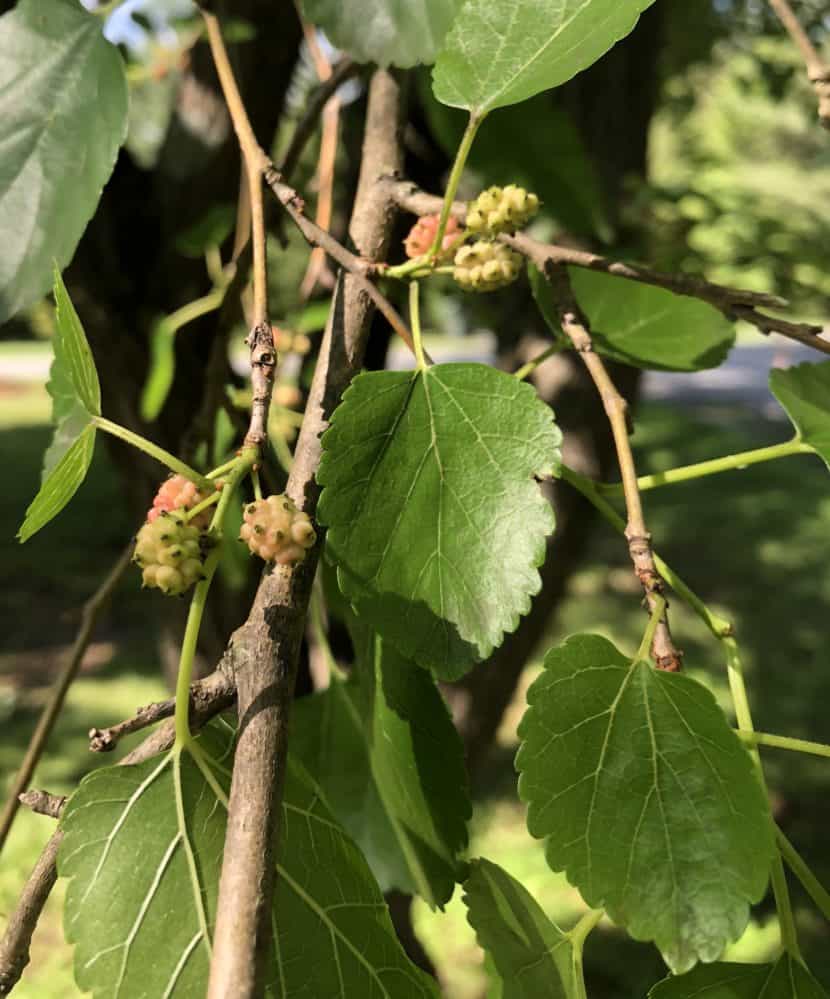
{"x": 786, "y": 979}
{"x": 804, "y": 392}
{"x": 63, "y": 115}
{"x": 388, "y": 758}
{"x": 143, "y": 846}
{"x": 76, "y": 401}
{"x": 641, "y": 325}
{"x": 532, "y": 956}
{"x": 388, "y": 32}
{"x": 500, "y": 52}
{"x": 648, "y": 799}
{"x": 435, "y": 521}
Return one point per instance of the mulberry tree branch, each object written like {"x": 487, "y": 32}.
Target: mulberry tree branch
{"x": 262, "y": 654}
{"x": 818, "y": 71}
{"x": 576, "y": 328}
{"x": 733, "y": 303}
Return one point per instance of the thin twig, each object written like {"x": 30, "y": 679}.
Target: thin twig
{"x": 216, "y": 690}
{"x": 43, "y": 803}
{"x": 576, "y": 328}
{"x": 342, "y": 71}
{"x": 733, "y": 303}
{"x": 260, "y": 339}
{"x": 818, "y": 71}
{"x": 89, "y": 615}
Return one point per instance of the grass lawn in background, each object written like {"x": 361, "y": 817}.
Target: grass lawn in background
{"x": 754, "y": 542}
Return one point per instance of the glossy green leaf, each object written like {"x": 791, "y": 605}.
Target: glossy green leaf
{"x": 387, "y": 32}
{"x": 389, "y": 761}
{"x": 532, "y": 956}
{"x": 804, "y": 392}
{"x": 535, "y": 145}
{"x": 436, "y": 522}
{"x": 76, "y": 400}
{"x": 73, "y": 368}
{"x": 142, "y": 848}
{"x": 648, "y": 799}
{"x": 640, "y": 325}
{"x": 786, "y": 979}
{"x": 500, "y": 52}
{"x": 60, "y": 485}
{"x": 63, "y": 115}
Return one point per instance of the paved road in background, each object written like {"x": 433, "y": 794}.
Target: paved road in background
{"x": 742, "y": 379}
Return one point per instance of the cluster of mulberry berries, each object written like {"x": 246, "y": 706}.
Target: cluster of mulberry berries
{"x": 179, "y": 493}
{"x": 486, "y": 266}
{"x": 170, "y": 552}
{"x": 277, "y": 531}
{"x": 422, "y": 236}
{"x": 501, "y": 209}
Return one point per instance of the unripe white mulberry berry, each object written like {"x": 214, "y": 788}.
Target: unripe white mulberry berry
{"x": 486, "y": 266}
{"x": 501, "y": 209}
{"x": 277, "y": 531}
{"x": 170, "y": 552}
{"x": 422, "y": 235}
{"x": 179, "y": 493}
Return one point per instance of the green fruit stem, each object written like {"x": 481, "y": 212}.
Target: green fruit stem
{"x": 244, "y": 463}
{"x": 148, "y": 447}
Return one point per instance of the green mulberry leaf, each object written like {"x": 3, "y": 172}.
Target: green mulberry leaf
{"x": 647, "y": 798}
{"x": 804, "y": 392}
{"x": 435, "y": 521}
{"x": 786, "y": 979}
{"x": 500, "y": 52}
{"x": 531, "y": 955}
{"x": 142, "y": 848}
{"x": 389, "y": 761}
{"x": 388, "y": 32}
{"x": 640, "y": 325}
{"x": 63, "y": 116}
{"x": 76, "y": 401}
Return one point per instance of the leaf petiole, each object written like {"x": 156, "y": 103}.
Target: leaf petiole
{"x": 415, "y": 322}
{"x": 728, "y": 463}
{"x": 785, "y": 742}
{"x": 811, "y": 884}
{"x": 148, "y": 447}
{"x": 657, "y": 612}
{"x": 577, "y": 936}
{"x": 461, "y": 155}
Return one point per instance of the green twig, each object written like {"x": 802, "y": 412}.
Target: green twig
{"x": 204, "y": 505}
{"x": 786, "y": 742}
{"x": 728, "y": 463}
{"x": 657, "y": 612}
{"x": 148, "y": 447}
{"x": 415, "y": 323}
{"x": 811, "y": 884}
{"x": 577, "y": 936}
{"x": 531, "y": 366}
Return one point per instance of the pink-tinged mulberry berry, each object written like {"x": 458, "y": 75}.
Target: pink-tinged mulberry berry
{"x": 501, "y": 209}
{"x": 422, "y": 235}
{"x": 277, "y": 531}
{"x": 179, "y": 493}
{"x": 170, "y": 552}
{"x": 486, "y": 266}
